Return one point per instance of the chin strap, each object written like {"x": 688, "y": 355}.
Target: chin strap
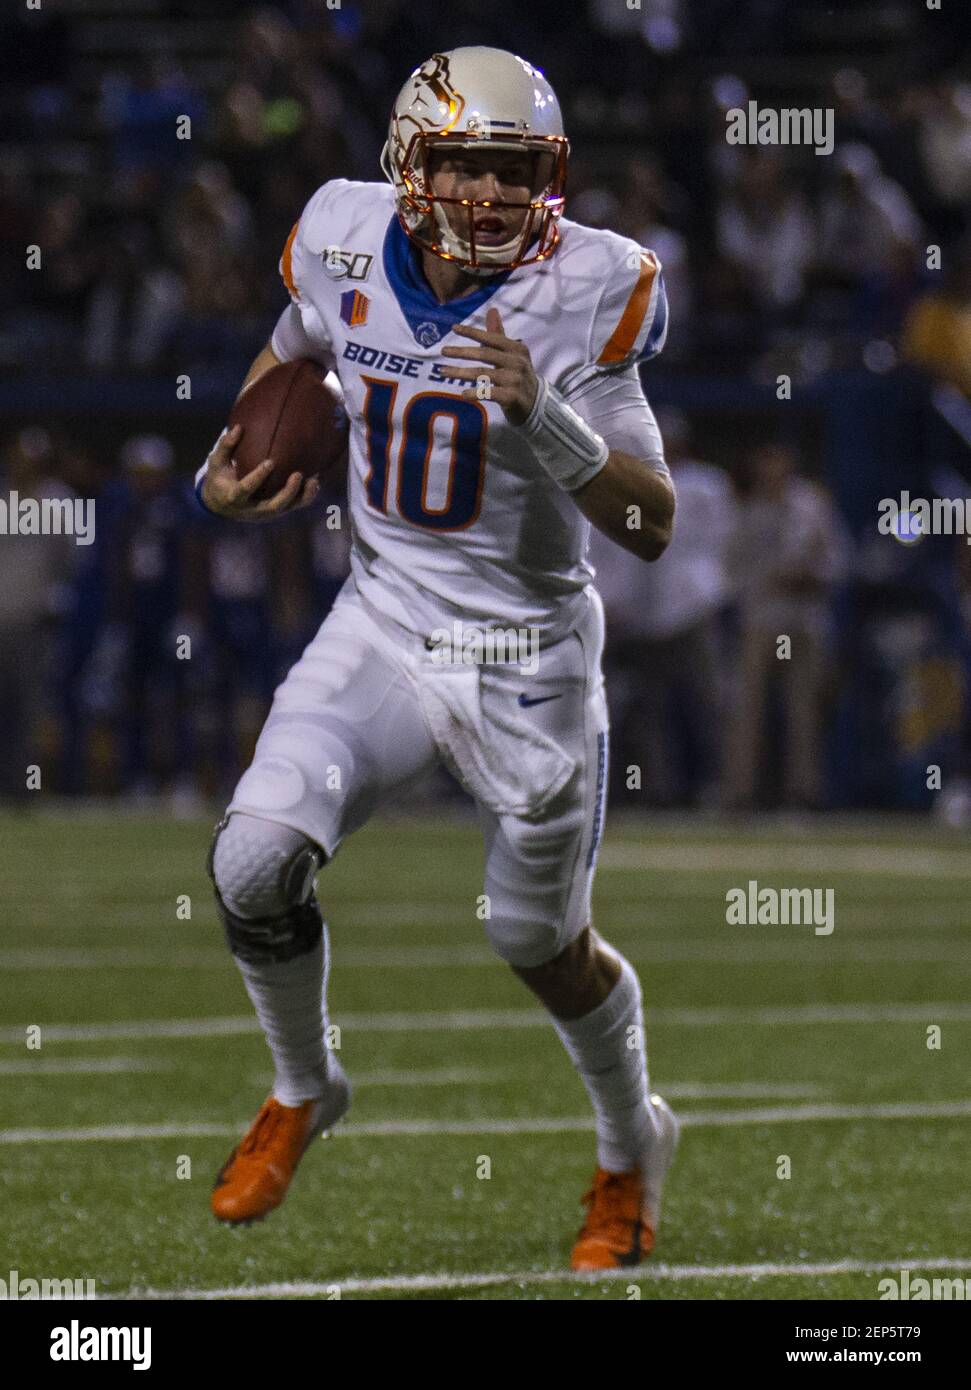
{"x": 484, "y": 272}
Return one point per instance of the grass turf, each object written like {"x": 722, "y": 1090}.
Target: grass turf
{"x": 740, "y": 1019}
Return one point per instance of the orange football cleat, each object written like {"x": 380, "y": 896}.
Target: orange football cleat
{"x": 615, "y": 1232}
{"x": 623, "y": 1209}
{"x": 255, "y": 1177}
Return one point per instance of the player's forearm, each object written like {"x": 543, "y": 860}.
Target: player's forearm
{"x": 631, "y": 503}
{"x": 627, "y": 496}
{"x": 262, "y": 362}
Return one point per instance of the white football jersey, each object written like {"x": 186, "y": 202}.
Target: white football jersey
{"x": 452, "y": 517}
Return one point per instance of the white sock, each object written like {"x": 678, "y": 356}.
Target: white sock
{"x": 608, "y": 1050}
{"x": 290, "y": 999}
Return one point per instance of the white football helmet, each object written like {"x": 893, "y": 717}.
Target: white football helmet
{"x": 470, "y": 97}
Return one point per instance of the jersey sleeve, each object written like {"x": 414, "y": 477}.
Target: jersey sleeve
{"x": 300, "y": 330}
{"x": 290, "y": 338}
{"x": 630, "y": 322}
{"x": 613, "y": 404}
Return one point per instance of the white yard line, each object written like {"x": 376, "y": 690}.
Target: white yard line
{"x": 384, "y": 1129}
{"x": 473, "y": 1076}
{"x": 783, "y": 1015}
{"x": 778, "y": 1114}
{"x": 438, "y": 1076}
{"x": 774, "y": 858}
{"x": 799, "y": 1015}
{"x": 801, "y": 946}
{"x": 655, "y": 1273}
{"x": 83, "y": 1066}
{"x": 796, "y": 946}
{"x": 118, "y": 957}
{"x": 224, "y": 1026}
{"x": 743, "y": 1090}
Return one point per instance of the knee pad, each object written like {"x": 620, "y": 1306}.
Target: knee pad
{"x": 524, "y": 945}
{"x": 264, "y": 877}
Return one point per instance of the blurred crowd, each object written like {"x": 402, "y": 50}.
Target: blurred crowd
{"x": 143, "y": 663}
{"x": 158, "y": 154}
{"x": 721, "y": 656}
{"x": 159, "y": 159}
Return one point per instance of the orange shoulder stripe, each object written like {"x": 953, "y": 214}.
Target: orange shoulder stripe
{"x": 625, "y": 334}
{"x": 286, "y": 262}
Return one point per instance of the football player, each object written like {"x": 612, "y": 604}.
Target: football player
{"x": 487, "y": 348}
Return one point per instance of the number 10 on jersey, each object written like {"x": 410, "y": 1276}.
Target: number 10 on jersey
{"x": 466, "y": 464}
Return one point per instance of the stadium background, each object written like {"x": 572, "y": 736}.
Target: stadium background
{"x": 160, "y": 259}
{"x": 130, "y": 1058}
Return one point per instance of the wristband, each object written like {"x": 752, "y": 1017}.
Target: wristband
{"x": 200, "y": 479}
{"x": 564, "y": 444}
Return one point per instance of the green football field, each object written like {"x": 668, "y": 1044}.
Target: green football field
{"x": 841, "y": 1059}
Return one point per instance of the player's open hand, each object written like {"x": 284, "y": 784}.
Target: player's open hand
{"x": 227, "y": 495}
{"x": 505, "y": 374}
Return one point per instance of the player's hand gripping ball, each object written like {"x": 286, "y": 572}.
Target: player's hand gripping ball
{"x": 287, "y": 433}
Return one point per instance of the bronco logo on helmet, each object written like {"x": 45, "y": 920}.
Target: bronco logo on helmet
{"x": 471, "y": 97}
{"x": 434, "y": 92}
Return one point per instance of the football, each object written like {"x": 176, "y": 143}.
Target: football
{"x": 295, "y": 417}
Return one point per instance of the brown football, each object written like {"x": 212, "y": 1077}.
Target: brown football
{"x": 292, "y": 416}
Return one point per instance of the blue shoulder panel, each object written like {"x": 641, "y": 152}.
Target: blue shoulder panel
{"x": 658, "y": 331}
